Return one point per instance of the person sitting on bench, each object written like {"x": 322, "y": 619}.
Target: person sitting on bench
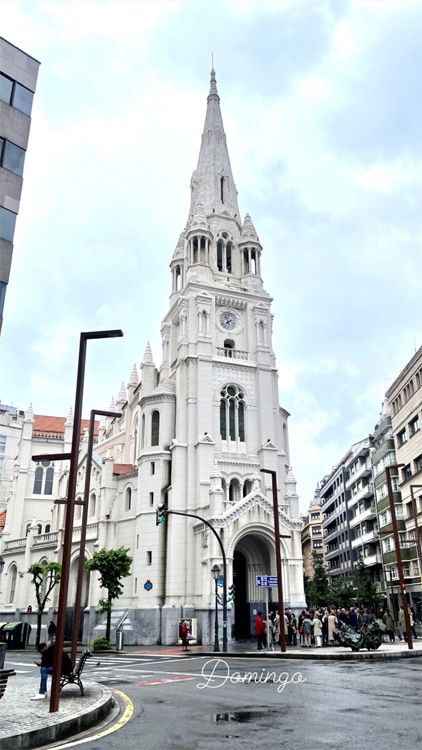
{"x": 46, "y": 665}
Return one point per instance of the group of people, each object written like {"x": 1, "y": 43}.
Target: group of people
{"x": 315, "y": 627}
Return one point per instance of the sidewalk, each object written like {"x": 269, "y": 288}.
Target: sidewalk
{"x": 28, "y": 724}
{"x": 249, "y": 650}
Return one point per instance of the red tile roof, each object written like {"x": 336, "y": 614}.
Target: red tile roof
{"x": 2, "y": 519}
{"x": 54, "y": 426}
{"x": 123, "y": 468}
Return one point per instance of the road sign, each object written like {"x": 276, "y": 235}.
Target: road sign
{"x": 148, "y": 585}
{"x": 220, "y": 581}
{"x": 266, "y": 581}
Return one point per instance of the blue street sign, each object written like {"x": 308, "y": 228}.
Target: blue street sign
{"x": 148, "y": 585}
{"x": 220, "y": 581}
{"x": 266, "y": 581}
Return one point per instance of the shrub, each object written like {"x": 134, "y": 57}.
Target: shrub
{"x": 101, "y": 644}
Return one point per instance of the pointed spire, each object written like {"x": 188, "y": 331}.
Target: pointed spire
{"x": 199, "y": 219}
{"x": 112, "y": 406}
{"x": 29, "y": 414}
{"x": 69, "y": 418}
{"x": 180, "y": 247}
{"x": 212, "y": 182}
{"x": 147, "y": 355}
{"x": 248, "y": 232}
{"x": 122, "y": 397}
{"x": 133, "y": 380}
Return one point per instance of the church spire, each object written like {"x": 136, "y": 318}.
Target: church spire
{"x": 212, "y": 182}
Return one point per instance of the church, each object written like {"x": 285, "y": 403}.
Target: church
{"x": 194, "y": 433}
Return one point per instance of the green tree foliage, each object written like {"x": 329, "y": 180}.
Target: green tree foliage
{"x": 341, "y": 592}
{"x": 45, "y": 576}
{"x": 112, "y": 565}
{"x": 366, "y": 592}
{"x": 316, "y": 588}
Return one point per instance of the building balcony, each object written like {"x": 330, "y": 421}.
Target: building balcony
{"x": 364, "y": 470}
{"x": 227, "y": 353}
{"x": 372, "y": 559}
{"x": 15, "y": 544}
{"x": 364, "y": 492}
{"x": 329, "y": 535}
{"x": 363, "y": 516}
{"x": 370, "y": 536}
{"x": 407, "y": 553}
{"x": 45, "y": 541}
{"x": 91, "y": 532}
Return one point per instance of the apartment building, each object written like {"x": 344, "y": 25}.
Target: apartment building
{"x": 338, "y": 554}
{"x": 312, "y": 538}
{"x": 405, "y": 400}
{"x": 18, "y": 78}
{"x": 364, "y": 536}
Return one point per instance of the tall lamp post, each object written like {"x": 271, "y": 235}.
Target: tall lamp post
{"x": 78, "y": 595}
{"x": 417, "y": 531}
{"x": 398, "y": 554}
{"x": 215, "y": 570}
{"x": 70, "y": 506}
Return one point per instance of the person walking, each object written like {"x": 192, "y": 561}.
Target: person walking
{"x": 51, "y": 632}
{"x": 316, "y": 622}
{"x": 274, "y": 629}
{"x": 184, "y": 635}
{"x": 332, "y": 624}
{"x": 307, "y": 630}
{"x": 260, "y": 630}
{"x": 389, "y": 625}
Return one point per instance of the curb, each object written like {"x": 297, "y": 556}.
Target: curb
{"x": 345, "y": 656}
{"x": 70, "y": 726}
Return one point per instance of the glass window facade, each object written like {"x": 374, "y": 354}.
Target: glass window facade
{"x": 7, "y": 224}
{"x": 13, "y": 158}
{"x": 22, "y": 99}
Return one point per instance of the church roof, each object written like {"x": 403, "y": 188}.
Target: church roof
{"x": 180, "y": 247}
{"x": 248, "y": 230}
{"x": 120, "y": 469}
{"x": 53, "y": 427}
{"x": 212, "y": 181}
{"x": 2, "y": 519}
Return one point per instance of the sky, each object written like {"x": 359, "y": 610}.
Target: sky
{"x": 322, "y": 109}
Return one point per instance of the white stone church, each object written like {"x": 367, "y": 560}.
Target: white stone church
{"x": 194, "y": 434}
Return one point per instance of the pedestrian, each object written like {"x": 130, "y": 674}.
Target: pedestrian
{"x": 260, "y": 630}
{"x": 412, "y": 623}
{"x": 317, "y": 631}
{"x": 301, "y": 629}
{"x": 325, "y": 628}
{"x": 293, "y": 625}
{"x": 46, "y": 664}
{"x": 402, "y": 622}
{"x": 307, "y": 630}
{"x": 332, "y": 624}
{"x": 389, "y": 625}
{"x": 274, "y": 629}
{"x": 52, "y": 630}
{"x": 184, "y": 634}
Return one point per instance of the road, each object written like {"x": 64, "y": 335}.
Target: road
{"x": 198, "y": 703}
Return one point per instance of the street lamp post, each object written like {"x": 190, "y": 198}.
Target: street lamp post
{"x": 70, "y": 506}
{"x": 417, "y": 531}
{"x": 215, "y": 570}
{"x": 398, "y": 554}
{"x": 78, "y": 595}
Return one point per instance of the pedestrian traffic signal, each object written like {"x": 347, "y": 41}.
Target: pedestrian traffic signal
{"x": 160, "y": 514}
{"x": 231, "y": 593}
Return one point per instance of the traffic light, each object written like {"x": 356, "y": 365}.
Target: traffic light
{"x": 160, "y": 514}
{"x": 231, "y": 593}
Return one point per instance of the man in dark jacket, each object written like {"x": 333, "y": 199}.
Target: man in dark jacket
{"x": 46, "y": 666}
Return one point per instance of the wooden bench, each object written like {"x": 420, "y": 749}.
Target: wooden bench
{"x": 74, "y": 678}
{"x": 4, "y": 676}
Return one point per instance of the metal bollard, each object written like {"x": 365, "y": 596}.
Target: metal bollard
{"x": 119, "y": 640}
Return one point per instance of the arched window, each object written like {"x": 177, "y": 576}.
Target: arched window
{"x": 47, "y": 528}
{"x": 43, "y": 480}
{"x": 39, "y": 528}
{"x": 155, "y": 428}
{"x": 135, "y": 441}
{"x": 177, "y": 278}
{"x": 13, "y": 573}
{"x": 128, "y": 498}
{"x": 220, "y": 255}
{"x": 222, "y": 189}
{"x": 195, "y": 252}
{"x": 232, "y": 414}
{"x": 234, "y": 491}
{"x": 92, "y": 504}
{"x": 143, "y": 431}
{"x": 229, "y": 257}
{"x": 78, "y": 510}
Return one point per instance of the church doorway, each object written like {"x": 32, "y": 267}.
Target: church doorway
{"x": 253, "y": 555}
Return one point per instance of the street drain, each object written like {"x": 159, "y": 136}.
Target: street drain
{"x": 241, "y": 717}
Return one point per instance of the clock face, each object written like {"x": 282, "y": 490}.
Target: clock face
{"x": 228, "y": 321}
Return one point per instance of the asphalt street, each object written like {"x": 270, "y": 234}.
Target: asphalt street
{"x": 195, "y": 702}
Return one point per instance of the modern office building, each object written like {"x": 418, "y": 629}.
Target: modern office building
{"x": 18, "y": 78}
{"x": 405, "y": 400}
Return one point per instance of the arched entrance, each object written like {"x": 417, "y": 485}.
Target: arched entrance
{"x": 253, "y": 555}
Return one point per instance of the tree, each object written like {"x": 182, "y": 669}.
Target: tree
{"x": 366, "y": 592}
{"x": 341, "y": 592}
{"x": 112, "y": 565}
{"x": 316, "y": 588}
{"x": 45, "y": 576}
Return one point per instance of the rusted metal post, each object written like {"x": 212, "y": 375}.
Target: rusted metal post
{"x": 81, "y": 560}
{"x": 277, "y": 557}
{"x": 398, "y": 556}
{"x": 68, "y": 528}
{"x": 417, "y": 531}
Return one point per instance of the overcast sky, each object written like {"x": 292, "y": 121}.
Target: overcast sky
{"x": 322, "y": 108}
